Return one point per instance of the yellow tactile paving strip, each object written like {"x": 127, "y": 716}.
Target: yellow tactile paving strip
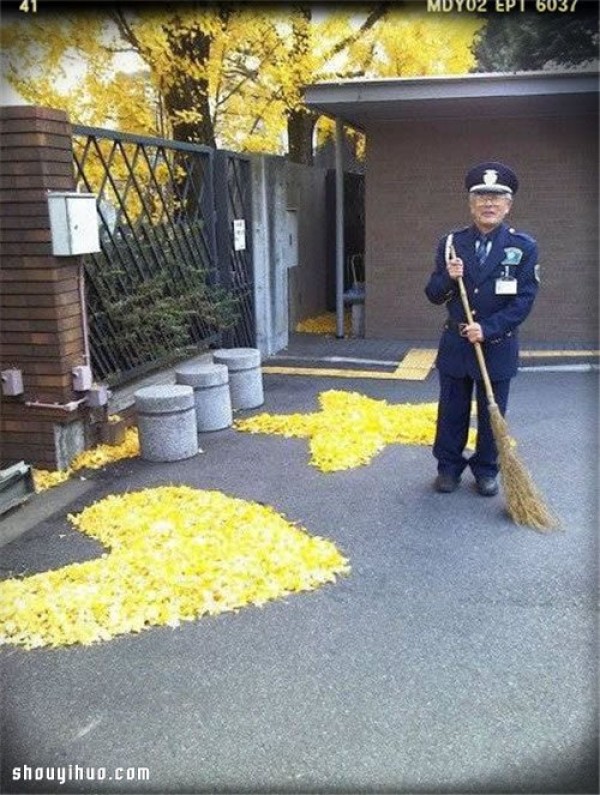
{"x": 415, "y": 366}
{"x": 329, "y": 372}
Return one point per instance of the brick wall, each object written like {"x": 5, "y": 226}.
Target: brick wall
{"x": 41, "y": 330}
{"x": 415, "y": 194}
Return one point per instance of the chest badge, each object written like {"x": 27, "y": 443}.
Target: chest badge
{"x": 512, "y": 256}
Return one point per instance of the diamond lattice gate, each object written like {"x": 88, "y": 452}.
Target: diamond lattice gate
{"x": 169, "y": 280}
{"x": 234, "y": 241}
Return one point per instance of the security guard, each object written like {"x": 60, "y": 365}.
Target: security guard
{"x": 500, "y": 273}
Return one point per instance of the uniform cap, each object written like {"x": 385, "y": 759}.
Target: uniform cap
{"x": 491, "y": 177}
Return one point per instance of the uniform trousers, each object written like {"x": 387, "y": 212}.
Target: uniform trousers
{"x": 454, "y": 411}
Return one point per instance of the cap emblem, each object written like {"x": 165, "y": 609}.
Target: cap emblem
{"x": 490, "y": 177}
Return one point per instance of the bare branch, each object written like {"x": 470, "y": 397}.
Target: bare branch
{"x": 378, "y": 12}
{"x": 126, "y": 31}
{"x": 245, "y": 73}
{"x": 115, "y": 50}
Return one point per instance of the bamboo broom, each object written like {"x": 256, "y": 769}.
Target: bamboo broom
{"x": 524, "y": 503}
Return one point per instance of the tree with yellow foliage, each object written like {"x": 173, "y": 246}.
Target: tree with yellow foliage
{"x": 226, "y": 75}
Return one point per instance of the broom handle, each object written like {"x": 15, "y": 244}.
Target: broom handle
{"x": 489, "y": 391}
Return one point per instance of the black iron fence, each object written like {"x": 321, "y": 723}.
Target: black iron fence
{"x": 168, "y": 281}
{"x": 233, "y": 203}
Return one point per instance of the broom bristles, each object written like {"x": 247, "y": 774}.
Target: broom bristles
{"x": 524, "y": 502}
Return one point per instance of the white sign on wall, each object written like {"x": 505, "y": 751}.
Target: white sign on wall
{"x": 239, "y": 235}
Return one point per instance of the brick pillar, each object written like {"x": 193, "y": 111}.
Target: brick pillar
{"x": 41, "y": 330}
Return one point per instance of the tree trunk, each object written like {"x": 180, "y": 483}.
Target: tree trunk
{"x": 300, "y": 128}
{"x": 300, "y": 122}
{"x": 186, "y": 93}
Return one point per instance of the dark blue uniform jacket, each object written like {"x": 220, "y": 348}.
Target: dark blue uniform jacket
{"x": 512, "y": 253}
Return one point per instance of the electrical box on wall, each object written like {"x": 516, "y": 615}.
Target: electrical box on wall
{"x": 82, "y": 378}
{"x": 98, "y": 396}
{"x": 73, "y": 223}
{"x": 12, "y": 383}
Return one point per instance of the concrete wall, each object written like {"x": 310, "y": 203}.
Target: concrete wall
{"x": 289, "y": 247}
{"x": 270, "y": 276}
{"x": 307, "y": 279}
{"x": 414, "y": 195}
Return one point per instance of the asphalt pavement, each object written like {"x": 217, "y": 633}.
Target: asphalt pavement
{"x": 458, "y": 656}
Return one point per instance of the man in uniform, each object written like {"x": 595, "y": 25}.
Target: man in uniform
{"x": 499, "y": 270}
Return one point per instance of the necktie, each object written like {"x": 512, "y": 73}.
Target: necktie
{"x": 482, "y": 248}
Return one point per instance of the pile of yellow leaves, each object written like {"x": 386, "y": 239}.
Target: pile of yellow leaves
{"x": 323, "y": 324}
{"x": 45, "y": 479}
{"x": 351, "y": 428}
{"x": 177, "y": 553}
{"x": 105, "y": 454}
{"x": 98, "y": 457}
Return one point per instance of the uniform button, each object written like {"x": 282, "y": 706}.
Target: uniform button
{"x": 476, "y": 290}
{"x": 474, "y": 312}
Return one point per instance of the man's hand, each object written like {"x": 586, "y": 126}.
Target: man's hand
{"x": 454, "y": 268}
{"x": 472, "y": 331}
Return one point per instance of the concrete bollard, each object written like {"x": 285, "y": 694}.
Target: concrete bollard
{"x": 245, "y": 376}
{"x": 166, "y": 422}
{"x": 210, "y": 383}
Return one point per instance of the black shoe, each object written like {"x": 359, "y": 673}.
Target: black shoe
{"x": 487, "y": 487}
{"x": 446, "y": 483}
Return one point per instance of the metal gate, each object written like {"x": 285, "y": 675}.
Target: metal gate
{"x": 170, "y": 279}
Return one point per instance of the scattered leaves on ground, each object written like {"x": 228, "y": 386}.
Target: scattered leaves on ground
{"x": 99, "y": 456}
{"x": 45, "y": 478}
{"x": 324, "y": 324}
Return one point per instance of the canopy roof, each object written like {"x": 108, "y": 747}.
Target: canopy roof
{"x": 361, "y": 103}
